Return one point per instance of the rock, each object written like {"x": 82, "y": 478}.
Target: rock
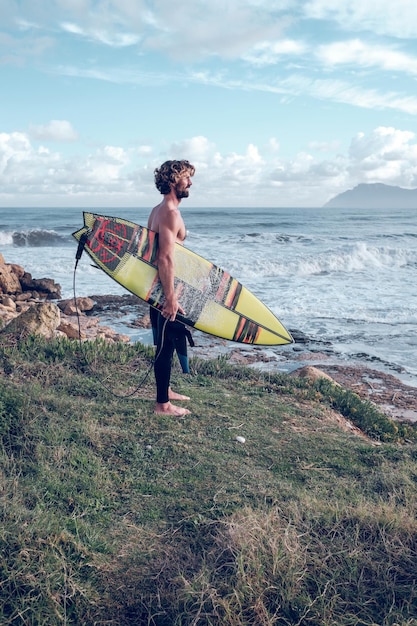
{"x": 71, "y": 330}
{"x": 68, "y": 307}
{"x": 142, "y": 322}
{"x": 23, "y": 297}
{"x": 44, "y": 286}
{"x": 312, "y": 374}
{"x": 6, "y": 316}
{"x": 115, "y": 302}
{"x": 89, "y": 329}
{"x": 39, "y": 319}
{"x": 299, "y": 336}
{"x": 14, "y": 280}
{"x": 72, "y": 326}
{"x": 17, "y": 269}
{"x": 9, "y": 279}
{"x": 8, "y": 303}
{"x": 23, "y": 310}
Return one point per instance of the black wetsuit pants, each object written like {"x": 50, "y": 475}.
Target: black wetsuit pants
{"x": 168, "y": 337}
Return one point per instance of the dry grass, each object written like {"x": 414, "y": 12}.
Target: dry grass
{"x": 113, "y": 516}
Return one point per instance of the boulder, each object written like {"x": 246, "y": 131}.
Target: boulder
{"x": 142, "y": 322}
{"x": 23, "y": 297}
{"x": 41, "y": 318}
{"x": 8, "y": 303}
{"x": 72, "y": 326}
{"x": 72, "y": 331}
{"x": 25, "y": 308}
{"x": 46, "y": 287}
{"x": 69, "y": 307}
{"x": 9, "y": 280}
{"x": 17, "y": 269}
{"x": 312, "y": 374}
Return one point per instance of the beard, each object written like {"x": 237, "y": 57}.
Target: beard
{"x": 182, "y": 193}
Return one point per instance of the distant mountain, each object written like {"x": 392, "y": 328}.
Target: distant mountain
{"x": 375, "y": 196}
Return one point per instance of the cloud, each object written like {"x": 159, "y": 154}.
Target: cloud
{"x": 197, "y": 149}
{"x": 348, "y": 93}
{"x": 255, "y": 30}
{"x": 324, "y": 146}
{"x": 55, "y": 130}
{"x": 294, "y": 85}
{"x": 270, "y": 53}
{"x": 361, "y": 54}
{"x": 119, "y": 76}
{"x": 382, "y": 17}
{"x": 252, "y": 177}
{"x": 208, "y": 28}
{"x": 27, "y": 172}
{"x": 334, "y": 90}
{"x": 273, "y": 145}
{"x": 24, "y": 170}
{"x": 205, "y": 28}
{"x": 383, "y": 141}
{"x": 385, "y": 155}
{"x": 18, "y": 51}
{"x": 105, "y": 168}
{"x": 198, "y": 29}
{"x": 113, "y": 175}
{"x": 14, "y": 146}
{"x": 103, "y": 36}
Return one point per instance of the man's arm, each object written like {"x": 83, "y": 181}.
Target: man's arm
{"x": 166, "y": 249}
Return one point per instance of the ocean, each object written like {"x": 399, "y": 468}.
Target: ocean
{"x": 346, "y": 279}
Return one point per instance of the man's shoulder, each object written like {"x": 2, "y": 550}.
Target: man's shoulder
{"x": 171, "y": 212}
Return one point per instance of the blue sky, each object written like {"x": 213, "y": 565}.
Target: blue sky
{"x": 276, "y": 102}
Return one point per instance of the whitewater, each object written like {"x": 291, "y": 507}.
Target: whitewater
{"x": 343, "y": 278}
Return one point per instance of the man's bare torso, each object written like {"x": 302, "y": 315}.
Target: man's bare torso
{"x": 162, "y": 214}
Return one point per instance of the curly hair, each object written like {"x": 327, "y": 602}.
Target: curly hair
{"x": 170, "y": 172}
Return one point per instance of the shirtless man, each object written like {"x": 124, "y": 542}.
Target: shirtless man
{"x": 173, "y": 180}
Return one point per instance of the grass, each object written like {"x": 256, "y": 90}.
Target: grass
{"x": 111, "y": 515}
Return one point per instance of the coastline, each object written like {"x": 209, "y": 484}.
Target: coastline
{"x": 126, "y": 318}
{"x": 395, "y": 395}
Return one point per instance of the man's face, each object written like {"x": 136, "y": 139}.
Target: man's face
{"x": 183, "y": 186}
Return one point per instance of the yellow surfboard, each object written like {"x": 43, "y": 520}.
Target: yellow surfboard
{"x": 212, "y": 299}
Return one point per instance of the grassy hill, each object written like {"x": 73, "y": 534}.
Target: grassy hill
{"x": 112, "y": 515}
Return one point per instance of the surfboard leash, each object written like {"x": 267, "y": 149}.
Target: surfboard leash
{"x": 80, "y": 249}
{"x": 81, "y": 246}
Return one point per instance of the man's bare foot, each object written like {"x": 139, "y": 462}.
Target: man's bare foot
{"x": 167, "y": 408}
{"x": 173, "y": 395}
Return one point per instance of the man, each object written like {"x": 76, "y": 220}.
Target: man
{"x": 173, "y": 180}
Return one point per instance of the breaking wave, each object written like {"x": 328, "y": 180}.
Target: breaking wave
{"x": 361, "y": 258}
{"x": 32, "y": 238}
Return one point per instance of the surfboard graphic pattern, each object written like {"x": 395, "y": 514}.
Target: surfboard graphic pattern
{"x": 212, "y": 299}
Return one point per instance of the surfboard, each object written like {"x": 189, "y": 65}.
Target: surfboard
{"x": 213, "y": 301}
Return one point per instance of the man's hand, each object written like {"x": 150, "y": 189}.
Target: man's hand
{"x": 170, "y": 309}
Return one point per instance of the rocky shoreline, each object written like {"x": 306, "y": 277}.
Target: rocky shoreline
{"x": 30, "y": 304}
{"x": 35, "y": 305}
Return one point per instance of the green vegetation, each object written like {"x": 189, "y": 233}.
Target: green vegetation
{"x": 112, "y": 515}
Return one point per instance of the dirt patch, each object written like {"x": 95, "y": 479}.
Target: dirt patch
{"x": 394, "y": 397}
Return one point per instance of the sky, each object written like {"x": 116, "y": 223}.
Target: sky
{"x": 277, "y": 103}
